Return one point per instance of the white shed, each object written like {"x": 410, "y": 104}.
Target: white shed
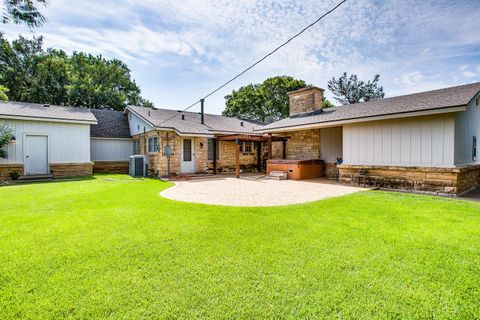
{"x": 48, "y": 140}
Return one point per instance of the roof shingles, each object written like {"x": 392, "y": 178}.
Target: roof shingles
{"x": 191, "y": 122}
{"x": 39, "y": 111}
{"x": 111, "y": 124}
{"x": 423, "y": 101}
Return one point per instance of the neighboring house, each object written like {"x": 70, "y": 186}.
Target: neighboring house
{"x": 195, "y": 146}
{"x": 48, "y": 140}
{"x": 111, "y": 144}
{"x": 425, "y": 141}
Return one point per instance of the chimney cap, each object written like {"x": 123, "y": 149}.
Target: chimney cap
{"x": 302, "y": 90}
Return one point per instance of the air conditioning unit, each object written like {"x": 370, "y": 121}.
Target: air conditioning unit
{"x": 138, "y": 166}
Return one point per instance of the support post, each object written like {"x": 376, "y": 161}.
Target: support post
{"x": 214, "y": 156}
{"x": 259, "y": 156}
{"x": 284, "y": 142}
{"x": 269, "y": 146}
{"x": 237, "y": 160}
{"x": 202, "y": 106}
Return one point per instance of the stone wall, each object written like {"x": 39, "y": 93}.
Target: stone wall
{"x": 7, "y": 169}
{"x": 304, "y": 145}
{"x": 68, "y": 170}
{"x": 158, "y": 162}
{"x": 110, "y": 167}
{"x": 331, "y": 170}
{"x": 422, "y": 179}
{"x": 305, "y": 100}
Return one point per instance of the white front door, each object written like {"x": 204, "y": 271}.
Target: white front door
{"x": 36, "y": 154}
{"x": 187, "y": 163}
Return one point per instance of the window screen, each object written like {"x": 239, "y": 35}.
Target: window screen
{"x": 153, "y": 144}
{"x": 247, "y": 147}
{"x": 187, "y": 150}
{"x": 210, "y": 150}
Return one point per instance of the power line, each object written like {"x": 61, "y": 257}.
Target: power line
{"x": 260, "y": 60}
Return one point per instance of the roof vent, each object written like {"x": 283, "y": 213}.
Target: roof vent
{"x": 46, "y": 105}
{"x": 241, "y": 123}
{"x": 149, "y": 113}
{"x": 183, "y": 117}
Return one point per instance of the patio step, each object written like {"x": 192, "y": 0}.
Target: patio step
{"x": 278, "y": 175}
{"x": 35, "y": 178}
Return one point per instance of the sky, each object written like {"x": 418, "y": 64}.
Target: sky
{"x": 179, "y": 50}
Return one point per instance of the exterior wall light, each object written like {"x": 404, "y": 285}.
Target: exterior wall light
{"x": 13, "y": 140}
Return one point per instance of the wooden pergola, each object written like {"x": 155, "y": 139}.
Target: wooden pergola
{"x": 257, "y": 138}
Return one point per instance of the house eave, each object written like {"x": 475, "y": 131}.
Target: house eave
{"x": 47, "y": 119}
{"x": 364, "y": 119}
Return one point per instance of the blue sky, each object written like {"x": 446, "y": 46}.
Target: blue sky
{"x": 180, "y": 50}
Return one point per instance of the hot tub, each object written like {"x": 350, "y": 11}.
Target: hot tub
{"x": 298, "y": 169}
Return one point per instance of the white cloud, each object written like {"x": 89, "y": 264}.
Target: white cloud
{"x": 411, "y": 44}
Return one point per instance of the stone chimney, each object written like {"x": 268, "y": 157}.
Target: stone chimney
{"x": 305, "y": 100}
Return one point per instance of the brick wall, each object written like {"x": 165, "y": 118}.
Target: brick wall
{"x": 432, "y": 180}
{"x": 305, "y": 100}
{"x": 68, "y": 170}
{"x": 158, "y": 163}
{"x": 6, "y": 169}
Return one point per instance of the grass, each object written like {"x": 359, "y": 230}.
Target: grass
{"x": 112, "y": 248}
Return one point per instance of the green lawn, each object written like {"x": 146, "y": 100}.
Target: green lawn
{"x": 111, "y": 247}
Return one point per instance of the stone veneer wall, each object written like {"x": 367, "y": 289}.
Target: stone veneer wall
{"x": 331, "y": 170}
{"x": 422, "y": 179}
{"x": 68, "y": 170}
{"x": 6, "y": 169}
{"x": 304, "y": 145}
{"x": 158, "y": 163}
{"x": 110, "y": 167}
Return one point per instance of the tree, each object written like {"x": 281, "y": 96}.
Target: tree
{"x": 326, "y": 103}
{"x": 23, "y": 11}
{"x": 348, "y": 90}
{"x": 32, "y": 74}
{"x": 3, "y": 93}
{"x": 261, "y": 102}
{"x": 6, "y": 135}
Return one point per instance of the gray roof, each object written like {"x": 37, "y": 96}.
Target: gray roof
{"x": 111, "y": 124}
{"x": 192, "y": 125}
{"x": 39, "y": 111}
{"x": 423, "y": 101}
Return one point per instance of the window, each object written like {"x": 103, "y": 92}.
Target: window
{"x": 247, "y": 147}
{"x": 210, "y": 150}
{"x": 153, "y": 144}
{"x": 474, "y": 149}
{"x": 136, "y": 147}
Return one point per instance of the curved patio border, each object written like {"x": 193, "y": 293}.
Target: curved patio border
{"x": 229, "y": 191}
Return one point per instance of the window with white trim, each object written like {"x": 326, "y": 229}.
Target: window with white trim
{"x": 210, "y": 150}
{"x": 136, "y": 147}
{"x": 247, "y": 147}
{"x": 474, "y": 148}
{"x": 153, "y": 145}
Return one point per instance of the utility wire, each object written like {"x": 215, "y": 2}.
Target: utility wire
{"x": 259, "y": 61}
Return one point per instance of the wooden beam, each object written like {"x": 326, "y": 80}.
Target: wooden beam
{"x": 259, "y": 156}
{"x": 269, "y": 146}
{"x": 237, "y": 160}
{"x": 214, "y": 156}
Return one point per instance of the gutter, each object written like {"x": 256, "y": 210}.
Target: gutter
{"x": 30, "y": 118}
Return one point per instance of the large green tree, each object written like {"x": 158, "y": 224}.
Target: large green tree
{"x": 267, "y": 101}
{"x": 23, "y": 12}
{"x": 348, "y": 89}
{"x": 32, "y": 74}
